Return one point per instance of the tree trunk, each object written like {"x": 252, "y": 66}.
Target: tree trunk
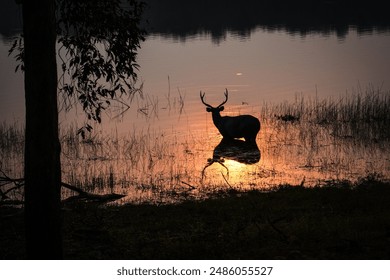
{"x": 42, "y": 148}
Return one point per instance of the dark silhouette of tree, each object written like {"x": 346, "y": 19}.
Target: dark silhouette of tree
{"x": 99, "y": 41}
{"x": 42, "y": 148}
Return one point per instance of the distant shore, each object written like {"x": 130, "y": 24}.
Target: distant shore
{"x": 183, "y": 18}
{"x": 178, "y": 18}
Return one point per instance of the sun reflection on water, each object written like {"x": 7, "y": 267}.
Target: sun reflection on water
{"x": 192, "y": 161}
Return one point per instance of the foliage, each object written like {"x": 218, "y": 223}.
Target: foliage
{"x": 17, "y": 47}
{"x": 101, "y": 39}
{"x": 98, "y": 43}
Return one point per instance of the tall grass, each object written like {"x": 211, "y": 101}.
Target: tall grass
{"x": 11, "y": 149}
{"x": 337, "y": 138}
{"x": 362, "y": 115}
{"x": 304, "y": 142}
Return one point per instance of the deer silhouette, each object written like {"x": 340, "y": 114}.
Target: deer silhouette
{"x": 231, "y": 127}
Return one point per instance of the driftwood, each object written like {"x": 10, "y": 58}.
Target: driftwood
{"x": 81, "y": 194}
{"x": 73, "y": 188}
{"x": 5, "y": 180}
{"x": 90, "y": 197}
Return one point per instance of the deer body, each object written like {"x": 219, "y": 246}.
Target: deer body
{"x": 243, "y": 126}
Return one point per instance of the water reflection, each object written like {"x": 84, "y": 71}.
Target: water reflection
{"x": 168, "y": 151}
{"x": 191, "y": 161}
{"x": 237, "y": 150}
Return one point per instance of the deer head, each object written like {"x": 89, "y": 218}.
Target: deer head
{"x": 243, "y": 126}
{"x": 212, "y": 109}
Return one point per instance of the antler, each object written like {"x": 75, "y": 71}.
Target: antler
{"x": 210, "y": 161}
{"x": 226, "y": 95}
{"x": 201, "y": 98}
{"x": 208, "y": 105}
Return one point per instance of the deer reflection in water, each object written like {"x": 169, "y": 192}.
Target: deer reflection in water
{"x": 238, "y": 150}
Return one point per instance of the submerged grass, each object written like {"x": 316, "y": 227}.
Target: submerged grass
{"x": 362, "y": 115}
{"x": 308, "y": 141}
{"x": 327, "y": 139}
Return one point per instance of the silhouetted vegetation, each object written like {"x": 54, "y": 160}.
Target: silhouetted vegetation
{"x": 100, "y": 41}
{"x": 308, "y": 141}
{"x": 335, "y": 219}
{"x": 184, "y": 18}
{"x": 338, "y": 221}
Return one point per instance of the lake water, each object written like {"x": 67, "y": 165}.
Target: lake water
{"x": 263, "y": 66}
{"x": 166, "y": 145}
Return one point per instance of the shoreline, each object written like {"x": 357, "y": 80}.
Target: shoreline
{"x": 333, "y": 222}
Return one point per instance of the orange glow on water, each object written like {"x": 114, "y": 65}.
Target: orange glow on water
{"x": 162, "y": 146}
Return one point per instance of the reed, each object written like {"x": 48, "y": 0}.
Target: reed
{"x": 308, "y": 142}
{"x": 318, "y": 140}
{"x": 361, "y": 115}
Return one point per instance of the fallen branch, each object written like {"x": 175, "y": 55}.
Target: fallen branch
{"x": 82, "y": 195}
{"x": 90, "y": 197}
{"x": 73, "y": 188}
{"x": 6, "y": 181}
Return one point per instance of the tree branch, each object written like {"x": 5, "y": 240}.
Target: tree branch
{"x": 82, "y": 195}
